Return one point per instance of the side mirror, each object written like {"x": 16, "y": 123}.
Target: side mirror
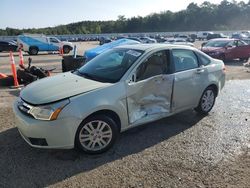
{"x": 132, "y": 78}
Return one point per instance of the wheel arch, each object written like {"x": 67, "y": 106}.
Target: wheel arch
{"x": 34, "y": 47}
{"x": 215, "y": 88}
{"x": 108, "y": 113}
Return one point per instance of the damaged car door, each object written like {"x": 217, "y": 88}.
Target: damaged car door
{"x": 150, "y": 88}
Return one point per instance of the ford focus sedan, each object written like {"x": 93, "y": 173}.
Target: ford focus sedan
{"x": 120, "y": 89}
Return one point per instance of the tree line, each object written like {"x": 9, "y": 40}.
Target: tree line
{"x": 228, "y": 15}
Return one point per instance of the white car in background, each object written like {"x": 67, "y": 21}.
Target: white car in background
{"x": 119, "y": 89}
{"x": 179, "y": 41}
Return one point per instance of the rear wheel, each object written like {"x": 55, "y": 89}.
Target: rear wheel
{"x": 96, "y": 134}
{"x": 207, "y": 101}
{"x": 223, "y": 58}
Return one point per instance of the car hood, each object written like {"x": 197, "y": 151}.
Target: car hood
{"x": 58, "y": 87}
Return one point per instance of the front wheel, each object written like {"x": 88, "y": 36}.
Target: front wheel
{"x": 66, "y": 49}
{"x": 243, "y": 59}
{"x": 96, "y": 134}
{"x": 207, "y": 101}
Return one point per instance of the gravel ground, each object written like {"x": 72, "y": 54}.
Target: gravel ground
{"x": 185, "y": 150}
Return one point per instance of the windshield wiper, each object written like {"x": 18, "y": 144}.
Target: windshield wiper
{"x": 86, "y": 75}
{"x": 92, "y": 77}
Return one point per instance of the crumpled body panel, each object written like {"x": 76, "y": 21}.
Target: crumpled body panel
{"x": 149, "y": 97}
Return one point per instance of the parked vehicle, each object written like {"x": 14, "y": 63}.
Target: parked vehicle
{"x": 147, "y": 40}
{"x": 187, "y": 38}
{"x": 247, "y": 33}
{"x": 119, "y": 89}
{"x": 203, "y": 35}
{"x": 227, "y": 49}
{"x": 135, "y": 38}
{"x": 178, "y": 41}
{"x": 91, "y": 53}
{"x": 240, "y": 36}
{"x": 103, "y": 40}
{"x": 6, "y": 46}
{"x": 33, "y": 43}
{"x": 216, "y": 35}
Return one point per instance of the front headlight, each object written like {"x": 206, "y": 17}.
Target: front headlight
{"x": 48, "y": 112}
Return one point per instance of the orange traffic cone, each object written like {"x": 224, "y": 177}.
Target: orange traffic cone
{"x": 21, "y": 62}
{"x": 13, "y": 68}
{"x": 3, "y": 75}
{"x": 61, "y": 51}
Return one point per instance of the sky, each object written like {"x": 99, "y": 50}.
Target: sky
{"x": 49, "y": 13}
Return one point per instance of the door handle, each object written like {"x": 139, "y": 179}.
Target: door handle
{"x": 200, "y": 70}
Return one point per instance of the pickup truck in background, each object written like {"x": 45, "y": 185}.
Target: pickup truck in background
{"x": 33, "y": 43}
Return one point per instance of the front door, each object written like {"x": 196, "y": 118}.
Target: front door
{"x": 150, "y": 89}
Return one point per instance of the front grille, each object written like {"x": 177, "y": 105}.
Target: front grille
{"x": 38, "y": 141}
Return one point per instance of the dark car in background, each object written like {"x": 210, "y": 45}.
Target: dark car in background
{"x": 103, "y": 40}
{"x": 187, "y": 38}
{"x": 227, "y": 49}
{"x": 215, "y": 36}
{"x": 6, "y": 46}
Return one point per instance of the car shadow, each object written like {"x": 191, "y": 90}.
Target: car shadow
{"x": 24, "y": 166}
{"x": 234, "y": 63}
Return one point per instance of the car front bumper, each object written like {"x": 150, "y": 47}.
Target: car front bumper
{"x": 57, "y": 134}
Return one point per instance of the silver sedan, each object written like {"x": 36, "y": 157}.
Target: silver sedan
{"x": 120, "y": 89}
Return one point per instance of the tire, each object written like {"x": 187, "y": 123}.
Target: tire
{"x": 66, "y": 49}
{"x": 243, "y": 59}
{"x": 33, "y": 51}
{"x": 26, "y": 77}
{"x": 96, "y": 134}
{"x": 207, "y": 101}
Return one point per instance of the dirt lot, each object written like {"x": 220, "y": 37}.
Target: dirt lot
{"x": 185, "y": 150}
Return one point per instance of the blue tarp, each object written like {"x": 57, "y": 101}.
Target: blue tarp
{"x": 90, "y": 54}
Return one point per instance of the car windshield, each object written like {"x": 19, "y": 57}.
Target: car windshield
{"x": 110, "y": 66}
{"x": 217, "y": 43}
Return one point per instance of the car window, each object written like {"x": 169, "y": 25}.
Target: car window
{"x": 184, "y": 60}
{"x": 240, "y": 43}
{"x": 156, "y": 64}
{"x": 203, "y": 59}
{"x": 217, "y": 43}
{"x": 110, "y": 66}
{"x": 54, "y": 40}
{"x": 232, "y": 43}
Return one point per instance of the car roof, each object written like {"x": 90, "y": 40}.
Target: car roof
{"x": 149, "y": 47}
